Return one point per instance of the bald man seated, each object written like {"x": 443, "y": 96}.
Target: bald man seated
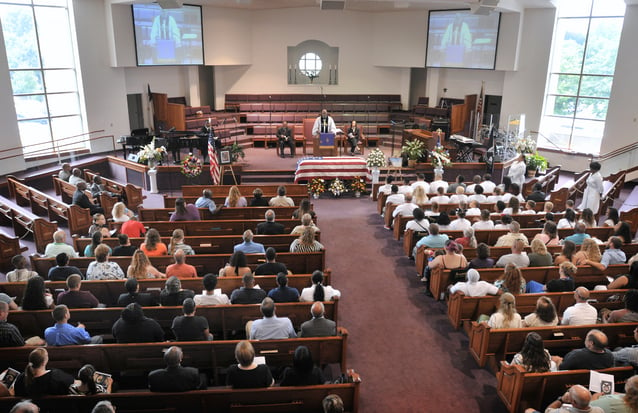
{"x": 175, "y": 378}
{"x": 581, "y": 313}
{"x": 319, "y": 326}
{"x": 578, "y": 397}
{"x": 594, "y": 356}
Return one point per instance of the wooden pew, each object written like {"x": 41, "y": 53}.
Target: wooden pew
{"x": 210, "y": 244}
{"x": 66, "y": 190}
{"x": 490, "y": 346}
{"x": 169, "y": 201}
{"x": 131, "y": 194}
{"x": 611, "y": 193}
{"x": 520, "y": 390}
{"x": 305, "y": 399}
{"x": 586, "y": 276}
{"x": 24, "y": 223}
{"x": 223, "y": 319}
{"x": 164, "y": 214}
{"x": 108, "y": 291}
{"x": 78, "y": 219}
{"x": 631, "y": 217}
{"x": 569, "y": 190}
{"x": 210, "y": 227}
{"x": 213, "y": 356}
{"x": 298, "y": 263}
{"x": 461, "y": 309}
{"x": 246, "y": 190}
{"x": 9, "y": 247}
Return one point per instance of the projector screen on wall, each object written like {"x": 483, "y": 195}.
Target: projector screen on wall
{"x": 167, "y": 37}
{"x": 460, "y": 39}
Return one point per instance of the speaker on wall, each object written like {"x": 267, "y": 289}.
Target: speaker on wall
{"x": 492, "y": 109}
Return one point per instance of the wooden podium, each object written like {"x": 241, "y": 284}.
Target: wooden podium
{"x": 325, "y": 145}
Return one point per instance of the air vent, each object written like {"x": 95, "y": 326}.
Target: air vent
{"x": 333, "y": 4}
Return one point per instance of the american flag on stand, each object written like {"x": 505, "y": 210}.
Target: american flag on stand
{"x": 214, "y": 164}
{"x": 479, "y": 109}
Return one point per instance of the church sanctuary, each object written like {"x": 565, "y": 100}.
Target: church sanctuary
{"x": 318, "y": 206}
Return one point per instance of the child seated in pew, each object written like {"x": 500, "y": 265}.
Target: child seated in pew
{"x": 86, "y": 383}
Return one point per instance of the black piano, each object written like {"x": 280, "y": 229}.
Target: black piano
{"x": 135, "y": 141}
{"x": 177, "y": 140}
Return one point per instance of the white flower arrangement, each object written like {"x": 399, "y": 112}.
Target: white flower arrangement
{"x": 337, "y": 187}
{"x": 151, "y": 152}
{"x": 376, "y": 159}
{"x": 440, "y": 157}
{"x": 525, "y": 145}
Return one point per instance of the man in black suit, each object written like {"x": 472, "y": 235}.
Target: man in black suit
{"x": 537, "y": 194}
{"x": 174, "y": 377}
{"x": 319, "y": 326}
{"x": 285, "y": 138}
{"x": 134, "y": 296}
{"x": 271, "y": 267}
{"x": 80, "y": 199}
{"x": 270, "y": 227}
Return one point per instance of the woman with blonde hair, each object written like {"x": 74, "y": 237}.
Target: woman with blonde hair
{"x": 506, "y": 315}
{"x": 539, "y": 256}
{"x": 306, "y": 242}
{"x": 141, "y": 267}
{"x": 419, "y": 196}
{"x": 247, "y": 374}
{"x": 512, "y": 280}
{"x": 565, "y": 281}
{"x": 120, "y": 213}
{"x": 153, "y": 245}
{"x": 177, "y": 242}
{"x": 589, "y": 251}
{"x": 234, "y": 198}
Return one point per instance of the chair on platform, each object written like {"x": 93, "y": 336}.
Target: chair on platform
{"x": 307, "y": 133}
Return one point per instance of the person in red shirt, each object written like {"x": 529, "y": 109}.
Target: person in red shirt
{"x": 133, "y": 228}
{"x": 180, "y": 269}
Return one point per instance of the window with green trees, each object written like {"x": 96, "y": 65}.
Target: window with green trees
{"x": 581, "y": 73}
{"x": 41, "y": 53}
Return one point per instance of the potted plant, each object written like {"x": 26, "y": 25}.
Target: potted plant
{"x": 414, "y": 150}
{"x": 236, "y": 151}
{"x": 535, "y": 162}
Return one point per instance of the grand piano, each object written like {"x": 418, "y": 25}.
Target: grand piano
{"x": 173, "y": 140}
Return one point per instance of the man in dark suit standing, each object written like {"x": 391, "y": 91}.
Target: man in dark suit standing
{"x": 285, "y": 138}
{"x": 174, "y": 377}
{"x": 319, "y": 326}
{"x": 270, "y": 227}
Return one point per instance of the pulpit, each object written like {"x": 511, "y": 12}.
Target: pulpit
{"x": 328, "y": 148}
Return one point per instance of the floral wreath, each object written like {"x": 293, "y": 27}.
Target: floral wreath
{"x": 191, "y": 166}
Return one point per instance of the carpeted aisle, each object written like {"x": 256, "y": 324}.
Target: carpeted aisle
{"x": 409, "y": 357}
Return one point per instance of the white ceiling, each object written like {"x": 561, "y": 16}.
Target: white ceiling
{"x": 363, "y": 5}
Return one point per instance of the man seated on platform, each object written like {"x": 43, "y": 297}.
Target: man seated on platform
{"x": 206, "y": 201}
{"x": 517, "y": 257}
{"x": 133, "y": 228}
{"x": 285, "y": 138}
{"x": 190, "y": 327}
{"x": 437, "y": 183}
{"x": 324, "y": 124}
{"x": 420, "y": 181}
{"x": 80, "y": 199}
{"x": 353, "y": 134}
{"x": 270, "y": 267}
{"x": 59, "y": 245}
{"x": 508, "y": 239}
{"x": 210, "y": 295}
{"x": 281, "y": 200}
{"x": 76, "y": 177}
{"x": 270, "y": 227}
{"x": 62, "y": 270}
{"x": 319, "y": 326}
{"x": 537, "y": 194}
{"x": 184, "y": 211}
{"x": 134, "y": 327}
{"x": 125, "y": 249}
{"x": 594, "y": 356}
{"x": 248, "y": 293}
{"x": 581, "y": 313}
{"x": 387, "y": 187}
{"x": 180, "y": 269}
{"x": 282, "y": 293}
{"x": 306, "y": 221}
{"x": 406, "y": 208}
{"x": 406, "y": 187}
{"x": 175, "y": 378}
{"x": 248, "y": 246}
{"x": 133, "y": 295}
{"x": 64, "y": 334}
{"x": 74, "y": 297}
{"x": 258, "y": 198}
{"x": 271, "y": 327}
{"x": 65, "y": 172}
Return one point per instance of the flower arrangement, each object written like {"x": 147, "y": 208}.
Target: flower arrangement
{"x": 150, "y": 152}
{"x": 337, "y": 187}
{"x": 525, "y": 145}
{"x": 358, "y": 184}
{"x": 236, "y": 151}
{"x": 316, "y": 186}
{"x": 191, "y": 166}
{"x": 535, "y": 162}
{"x": 413, "y": 149}
{"x": 376, "y": 159}
{"x": 440, "y": 157}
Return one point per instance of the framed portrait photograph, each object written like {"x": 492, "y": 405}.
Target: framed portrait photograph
{"x": 224, "y": 157}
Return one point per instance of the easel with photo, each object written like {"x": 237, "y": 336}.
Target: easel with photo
{"x": 226, "y": 164}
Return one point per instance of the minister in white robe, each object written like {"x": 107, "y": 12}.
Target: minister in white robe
{"x": 591, "y": 195}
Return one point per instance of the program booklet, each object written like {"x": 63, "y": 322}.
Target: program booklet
{"x": 102, "y": 378}
{"x": 9, "y": 376}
